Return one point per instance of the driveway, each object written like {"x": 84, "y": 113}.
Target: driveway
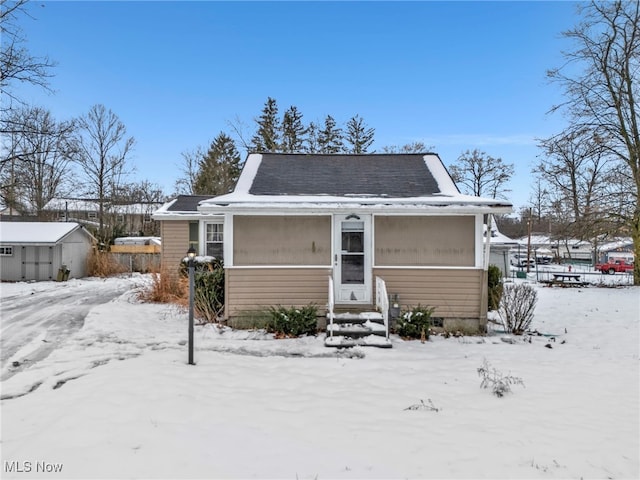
{"x": 39, "y": 317}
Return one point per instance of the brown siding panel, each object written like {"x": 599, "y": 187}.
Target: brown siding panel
{"x": 259, "y": 288}
{"x": 281, "y": 240}
{"x": 425, "y": 241}
{"x": 175, "y": 242}
{"x": 454, "y": 293}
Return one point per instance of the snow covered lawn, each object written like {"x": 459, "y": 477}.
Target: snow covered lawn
{"x": 117, "y": 399}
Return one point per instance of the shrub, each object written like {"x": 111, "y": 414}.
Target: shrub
{"x": 103, "y": 264}
{"x": 165, "y": 288}
{"x": 208, "y": 287}
{"x": 494, "y": 279}
{"x": 414, "y": 322}
{"x": 498, "y": 383}
{"x": 517, "y": 306}
{"x": 292, "y": 321}
{"x": 209, "y": 293}
{"x": 201, "y": 263}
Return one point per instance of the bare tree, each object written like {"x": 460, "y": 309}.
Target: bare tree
{"x": 186, "y": 184}
{"x": 139, "y": 199}
{"x": 38, "y": 166}
{"x": 413, "y": 147}
{"x": 539, "y": 199}
{"x": 600, "y": 80}
{"x": 17, "y": 65}
{"x": 481, "y": 174}
{"x": 239, "y": 129}
{"x": 574, "y": 166}
{"x": 103, "y": 151}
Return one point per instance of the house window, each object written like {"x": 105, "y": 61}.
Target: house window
{"x": 92, "y": 215}
{"x": 62, "y": 215}
{"x": 120, "y": 218}
{"x": 193, "y": 236}
{"x": 214, "y": 239}
{"x": 6, "y": 251}
{"x": 147, "y": 217}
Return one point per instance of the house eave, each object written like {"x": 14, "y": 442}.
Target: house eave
{"x": 394, "y": 206}
{"x": 184, "y": 215}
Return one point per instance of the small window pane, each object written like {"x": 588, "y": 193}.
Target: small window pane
{"x": 215, "y": 232}
{"x": 352, "y": 242}
{"x": 352, "y": 269}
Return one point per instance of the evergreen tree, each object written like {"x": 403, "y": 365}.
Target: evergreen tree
{"x": 293, "y": 131}
{"x": 330, "y": 137}
{"x": 266, "y": 139}
{"x": 219, "y": 168}
{"x": 312, "y": 140}
{"x": 358, "y": 137}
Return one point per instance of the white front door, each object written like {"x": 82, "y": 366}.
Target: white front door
{"x": 352, "y": 258}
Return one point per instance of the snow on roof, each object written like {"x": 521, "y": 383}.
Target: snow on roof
{"x": 35, "y": 232}
{"x": 497, "y": 237}
{"x": 74, "y": 204}
{"x": 622, "y": 243}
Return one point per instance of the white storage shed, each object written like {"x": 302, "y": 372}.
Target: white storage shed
{"x": 38, "y": 250}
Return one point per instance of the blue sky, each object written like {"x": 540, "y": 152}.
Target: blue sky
{"x": 454, "y": 75}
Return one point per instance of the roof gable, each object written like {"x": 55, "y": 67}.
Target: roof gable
{"x": 384, "y": 175}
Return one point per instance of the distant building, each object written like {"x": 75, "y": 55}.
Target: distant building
{"x": 124, "y": 218}
{"x": 39, "y": 250}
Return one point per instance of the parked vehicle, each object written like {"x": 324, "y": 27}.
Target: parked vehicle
{"x": 523, "y": 263}
{"x": 615, "y": 266}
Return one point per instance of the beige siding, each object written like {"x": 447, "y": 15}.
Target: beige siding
{"x": 454, "y": 293}
{"x": 424, "y": 241}
{"x": 259, "y": 288}
{"x": 281, "y": 240}
{"x": 175, "y": 243}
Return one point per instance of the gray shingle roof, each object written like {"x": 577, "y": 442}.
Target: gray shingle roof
{"x": 390, "y": 175}
{"x": 187, "y": 203}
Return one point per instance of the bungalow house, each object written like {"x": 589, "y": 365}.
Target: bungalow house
{"x": 41, "y": 250}
{"x": 331, "y": 229}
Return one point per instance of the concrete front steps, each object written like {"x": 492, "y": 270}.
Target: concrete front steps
{"x": 356, "y": 329}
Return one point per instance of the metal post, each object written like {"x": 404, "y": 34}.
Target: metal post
{"x": 191, "y": 253}
{"x": 191, "y": 295}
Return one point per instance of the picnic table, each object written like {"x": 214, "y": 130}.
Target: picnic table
{"x": 567, "y": 279}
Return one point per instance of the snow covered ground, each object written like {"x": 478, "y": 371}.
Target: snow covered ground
{"x": 115, "y": 398}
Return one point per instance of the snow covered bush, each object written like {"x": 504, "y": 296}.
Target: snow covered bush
{"x": 414, "y": 322}
{"x": 498, "y": 383}
{"x": 517, "y": 307}
{"x": 293, "y": 322}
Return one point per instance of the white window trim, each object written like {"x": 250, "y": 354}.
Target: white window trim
{"x": 5, "y": 247}
{"x": 202, "y": 236}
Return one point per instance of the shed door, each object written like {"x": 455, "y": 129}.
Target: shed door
{"x": 352, "y": 258}
{"x": 37, "y": 263}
